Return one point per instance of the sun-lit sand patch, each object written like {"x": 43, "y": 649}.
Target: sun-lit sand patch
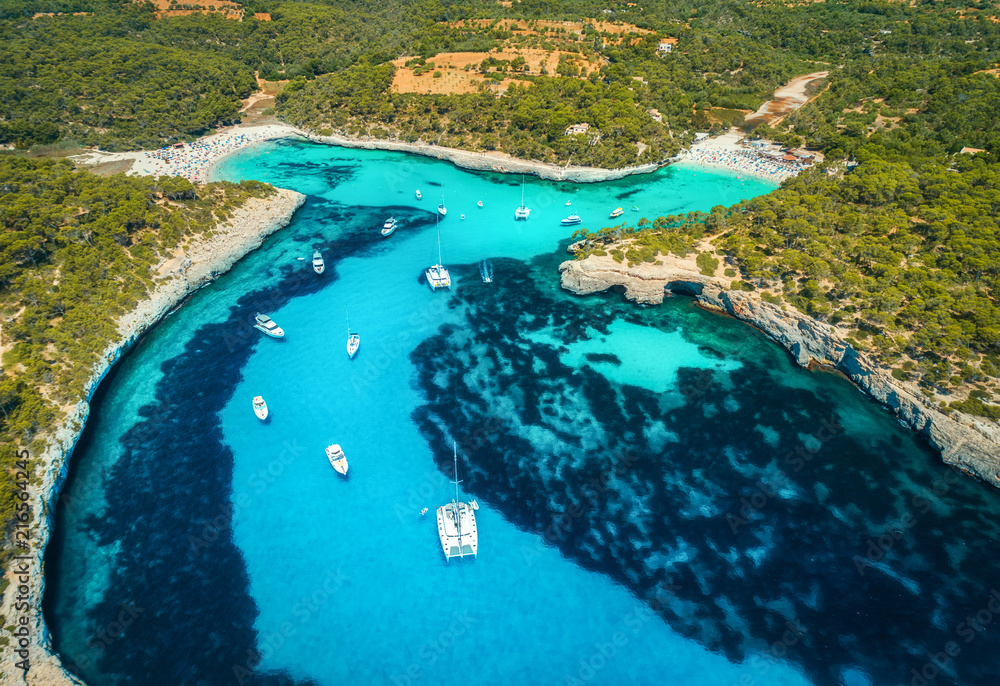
{"x": 458, "y": 72}
{"x": 172, "y": 8}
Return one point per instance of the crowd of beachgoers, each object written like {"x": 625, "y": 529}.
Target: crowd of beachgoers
{"x": 193, "y": 160}
{"x": 742, "y": 160}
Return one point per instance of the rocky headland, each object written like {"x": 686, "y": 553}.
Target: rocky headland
{"x": 970, "y": 443}
{"x": 196, "y": 264}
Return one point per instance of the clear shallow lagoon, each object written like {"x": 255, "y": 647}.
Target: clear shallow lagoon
{"x": 644, "y": 519}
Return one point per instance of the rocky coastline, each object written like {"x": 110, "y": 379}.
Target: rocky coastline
{"x": 201, "y": 261}
{"x": 966, "y": 442}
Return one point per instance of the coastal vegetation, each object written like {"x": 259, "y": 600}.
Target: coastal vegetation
{"x": 77, "y": 251}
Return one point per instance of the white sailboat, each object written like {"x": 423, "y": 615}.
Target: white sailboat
{"x": 437, "y": 274}
{"x": 353, "y": 340}
{"x": 457, "y": 524}
{"x": 522, "y": 212}
{"x": 442, "y": 210}
{"x": 260, "y": 407}
{"x": 319, "y": 266}
{"x": 338, "y": 460}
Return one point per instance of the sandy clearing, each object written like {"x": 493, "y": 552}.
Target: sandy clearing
{"x": 523, "y": 27}
{"x": 785, "y": 100}
{"x": 456, "y": 79}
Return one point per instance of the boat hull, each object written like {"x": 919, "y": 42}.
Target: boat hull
{"x": 438, "y": 277}
{"x": 337, "y": 459}
{"x": 260, "y": 408}
{"x": 457, "y": 530}
{"x": 353, "y": 343}
{"x": 272, "y": 333}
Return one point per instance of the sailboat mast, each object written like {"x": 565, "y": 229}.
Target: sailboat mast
{"x": 458, "y": 516}
{"x": 347, "y": 314}
{"x": 438, "y": 226}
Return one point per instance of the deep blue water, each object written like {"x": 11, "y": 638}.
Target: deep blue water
{"x": 665, "y": 497}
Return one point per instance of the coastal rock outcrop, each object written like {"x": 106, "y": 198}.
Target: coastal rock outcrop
{"x": 198, "y": 263}
{"x": 967, "y": 442}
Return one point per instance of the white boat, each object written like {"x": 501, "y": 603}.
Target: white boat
{"x": 389, "y": 226}
{"x": 571, "y": 220}
{"x": 419, "y": 195}
{"x": 266, "y": 326}
{"x": 442, "y": 210}
{"x": 260, "y": 407}
{"x": 480, "y": 203}
{"x": 337, "y": 458}
{"x": 353, "y": 341}
{"x": 318, "y": 265}
{"x": 617, "y": 212}
{"x": 462, "y": 217}
{"x": 457, "y": 525}
{"x": 437, "y": 274}
{"x": 567, "y": 203}
{"x": 522, "y": 212}
{"x": 486, "y": 271}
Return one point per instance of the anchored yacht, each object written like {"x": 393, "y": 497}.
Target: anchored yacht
{"x": 260, "y": 407}
{"x": 338, "y": 460}
{"x": 266, "y": 326}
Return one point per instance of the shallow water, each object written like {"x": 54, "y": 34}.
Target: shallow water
{"x": 664, "y": 496}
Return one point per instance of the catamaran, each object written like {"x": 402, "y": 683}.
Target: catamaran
{"x": 437, "y": 274}
{"x": 457, "y": 524}
{"x": 266, "y": 326}
{"x": 337, "y": 458}
{"x": 353, "y": 341}
{"x": 522, "y": 212}
{"x": 571, "y": 220}
{"x": 260, "y": 407}
{"x": 318, "y": 265}
{"x": 389, "y": 226}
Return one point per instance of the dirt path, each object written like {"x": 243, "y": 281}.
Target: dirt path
{"x": 786, "y": 99}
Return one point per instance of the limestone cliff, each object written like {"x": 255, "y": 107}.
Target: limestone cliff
{"x": 970, "y": 443}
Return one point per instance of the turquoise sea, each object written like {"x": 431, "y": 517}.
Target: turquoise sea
{"x": 665, "y": 498}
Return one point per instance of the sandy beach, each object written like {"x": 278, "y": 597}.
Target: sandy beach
{"x": 195, "y": 161}
{"x": 726, "y": 153}
{"x": 190, "y": 268}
